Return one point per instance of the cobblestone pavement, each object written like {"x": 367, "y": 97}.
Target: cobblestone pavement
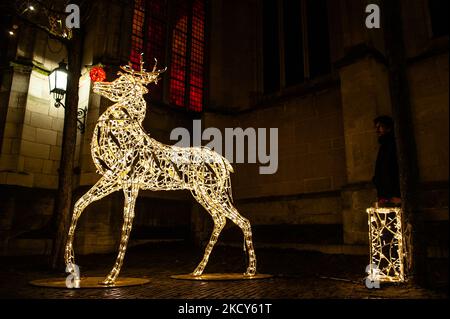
{"x": 298, "y": 275}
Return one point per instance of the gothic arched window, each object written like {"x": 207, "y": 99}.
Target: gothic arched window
{"x": 173, "y": 31}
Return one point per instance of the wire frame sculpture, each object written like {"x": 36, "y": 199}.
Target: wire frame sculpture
{"x": 129, "y": 159}
{"x": 386, "y": 244}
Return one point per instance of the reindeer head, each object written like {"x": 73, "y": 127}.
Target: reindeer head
{"x": 130, "y": 83}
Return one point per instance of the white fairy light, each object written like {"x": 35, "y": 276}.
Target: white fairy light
{"x": 129, "y": 159}
{"x": 387, "y": 253}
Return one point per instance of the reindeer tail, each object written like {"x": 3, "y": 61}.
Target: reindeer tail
{"x": 230, "y": 169}
{"x": 228, "y": 165}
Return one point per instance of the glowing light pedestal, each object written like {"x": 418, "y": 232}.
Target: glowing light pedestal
{"x": 90, "y": 282}
{"x": 386, "y": 244}
{"x": 221, "y": 276}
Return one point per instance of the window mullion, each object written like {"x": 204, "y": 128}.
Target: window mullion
{"x": 188, "y": 55}
{"x": 168, "y": 52}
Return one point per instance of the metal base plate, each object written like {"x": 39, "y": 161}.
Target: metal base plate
{"x": 90, "y": 282}
{"x": 221, "y": 276}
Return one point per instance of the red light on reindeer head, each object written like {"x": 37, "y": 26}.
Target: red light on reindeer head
{"x": 97, "y": 74}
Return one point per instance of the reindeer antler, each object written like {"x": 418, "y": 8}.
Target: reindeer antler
{"x": 154, "y": 71}
{"x": 156, "y": 63}
{"x": 142, "y": 62}
{"x": 142, "y": 75}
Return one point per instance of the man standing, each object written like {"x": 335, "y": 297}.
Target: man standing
{"x": 386, "y": 177}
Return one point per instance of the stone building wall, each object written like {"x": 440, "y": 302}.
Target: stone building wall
{"x": 327, "y": 145}
{"x": 32, "y": 137}
{"x": 428, "y": 82}
{"x": 324, "y": 176}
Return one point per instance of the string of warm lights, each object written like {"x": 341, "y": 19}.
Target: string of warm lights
{"x": 129, "y": 159}
{"x": 12, "y": 31}
{"x": 56, "y": 21}
{"x": 386, "y": 243}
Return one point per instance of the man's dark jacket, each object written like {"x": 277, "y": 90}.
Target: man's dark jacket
{"x": 386, "y": 177}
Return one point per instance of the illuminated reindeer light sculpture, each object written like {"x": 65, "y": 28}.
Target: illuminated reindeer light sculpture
{"x": 129, "y": 159}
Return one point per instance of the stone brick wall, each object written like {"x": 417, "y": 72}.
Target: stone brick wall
{"x": 33, "y": 130}
{"x": 326, "y": 139}
{"x": 428, "y": 80}
{"x": 32, "y": 137}
{"x": 429, "y": 97}
{"x": 311, "y": 154}
{"x": 311, "y": 160}
{"x": 327, "y": 146}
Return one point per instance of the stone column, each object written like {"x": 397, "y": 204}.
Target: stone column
{"x": 11, "y": 162}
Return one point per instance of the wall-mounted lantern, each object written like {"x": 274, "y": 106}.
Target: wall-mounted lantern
{"x": 58, "y": 87}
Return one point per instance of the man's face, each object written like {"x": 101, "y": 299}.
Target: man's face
{"x": 381, "y": 129}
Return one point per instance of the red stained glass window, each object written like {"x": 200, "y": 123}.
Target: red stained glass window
{"x": 197, "y": 56}
{"x": 137, "y": 36}
{"x": 181, "y": 41}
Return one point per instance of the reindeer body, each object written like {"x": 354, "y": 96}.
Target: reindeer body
{"x": 129, "y": 159}
{"x": 120, "y": 144}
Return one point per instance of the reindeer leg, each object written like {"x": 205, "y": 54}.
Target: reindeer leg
{"x": 244, "y": 224}
{"x": 131, "y": 193}
{"x": 219, "y": 223}
{"x": 104, "y": 186}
